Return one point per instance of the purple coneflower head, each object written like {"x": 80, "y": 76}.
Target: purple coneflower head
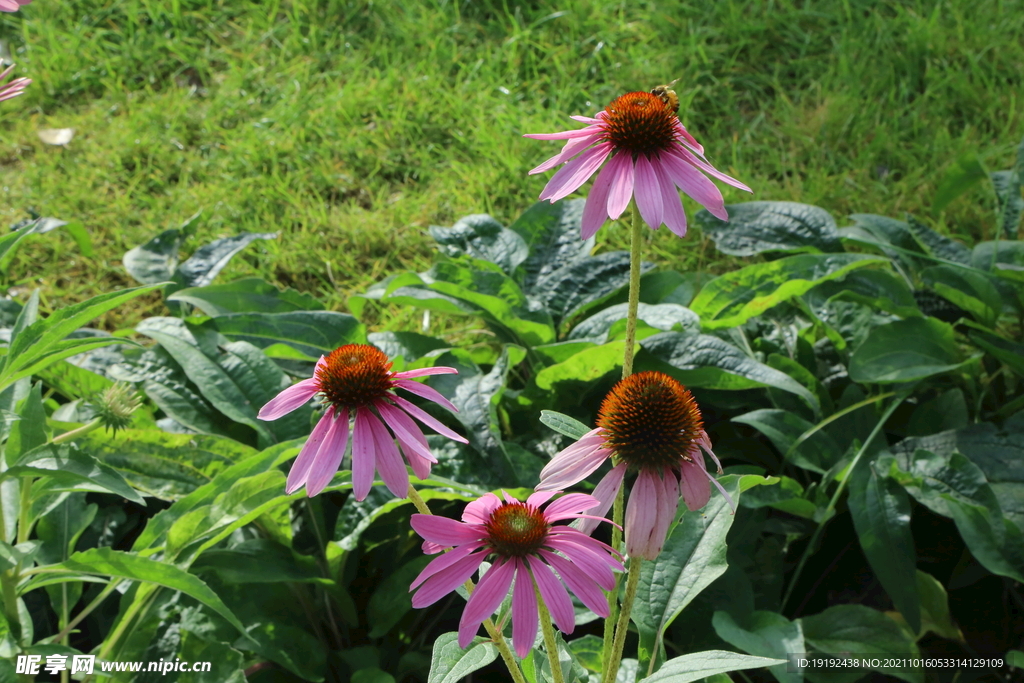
{"x": 526, "y": 547}
{"x": 649, "y": 424}
{"x": 15, "y": 87}
{"x": 12, "y": 5}
{"x": 649, "y": 155}
{"x": 355, "y": 381}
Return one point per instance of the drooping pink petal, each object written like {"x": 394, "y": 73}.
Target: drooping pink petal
{"x": 300, "y": 468}
{"x": 575, "y": 463}
{"x": 290, "y": 399}
{"x": 590, "y": 562}
{"x": 554, "y": 595}
{"x": 404, "y": 428}
{"x": 703, "y": 165}
{"x": 479, "y": 511}
{"x": 426, "y": 419}
{"x": 694, "y": 484}
{"x": 423, "y": 372}
{"x": 596, "y": 210}
{"x": 621, "y": 190}
{"x": 571, "y": 149}
{"x": 363, "y": 459}
{"x": 695, "y": 184}
{"x": 328, "y": 457}
{"x": 565, "y": 134}
{"x": 605, "y": 491}
{"x": 539, "y": 498}
{"x": 524, "y": 611}
{"x": 445, "y": 531}
{"x": 672, "y": 206}
{"x": 668, "y": 503}
{"x": 688, "y": 139}
{"x": 641, "y": 515}
{"x": 728, "y": 498}
{"x": 600, "y": 549}
{"x": 575, "y": 172}
{"x": 579, "y": 583}
{"x": 446, "y": 560}
{"x": 585, "y": 119}
{"x": 704, "y": 442}
{"x": 485, "y": 599}
{"x": 569, "y": 505}
{"x": 446, "y": 580}
{"x": 427, "y": 392}
{"x": 413, "y": 449}
{"x": 389, "y": 461}
{"x": 647, "y": 189}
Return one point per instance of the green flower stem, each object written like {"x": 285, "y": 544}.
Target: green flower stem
{"x": 830, "y": 510}
{"x": 613, "y": 594}
{"x": 634, "y": 289}
{"x": 549, "y": 638}
{"x": 9, "y": 592}
{"x": 611, "y": 668}
{"x": 492, "y": 630}
{"x": 78, "y": 431}
{"x": 107, "y": 590}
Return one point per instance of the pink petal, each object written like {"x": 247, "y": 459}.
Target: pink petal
{"x": 539, "y": 498}
{"x": 479, "y": 511}
{"x": 554, "y": 595}
{"x": 725, "y": 493}
{"x": 8, "y": 70}
{"x": 426, "y": 419}
{"x": 574, "y": 463}
{"x": 300, "y": 468}
{"x": 445, "y": 531}
{"x": 429, "y": 393}
{"x": 647, "y": 189}
{"x": 641, "y": 515}
{"x": 423, "y": 372}
{"x": 602, "y": 550}
{"x": 668, "y": 503}
{"x": 389, "y": 461}
{"x": 704, "y": 442}
{"x": 621, "y": 184}
{"x": 288, "y": 400}
{"x": 672, "y": 206}
{"x": 445, "y": 581}
{"x": 605, "y": 491}
{"x": 576, "y": 172}
{"x": 571, "y": 149}
{"x": 565, "y": 134}
{"x": 569, "y": 505}
{"x": 585, "y": 119}
{"x": 589, "y": 561}
{"x": 445, "y": 561}
{"x": 579, "y": 583}
{"x": 703, "y": 165}
{"x": 485, "y": 599}
{"x": 596, "y": 210}
{"x": 695, "y": 184}
{"x": 688, "y": 139}
{"x": 413, "y": 449}
{"x": 694, "y": 484}
{"x": 524, "y": 611}
{"x": 328, "y": 458}
{"x": 363, "y": 458}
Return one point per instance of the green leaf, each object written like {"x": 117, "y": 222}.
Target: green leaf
{"x": 110, "y": 562}
{"x": 880, "y": 289}
{"x": 851, "y": 630}
{"x": 581, "y": 285}
{"x": 892, "y": 236}
{"x": 392, "y": 599}
{"x": 589, "y": 652}
{"x": 881, "y": 516}
{"x": 372, "y": 675}
{"x": 818, "y": 453}
{"x": 1004, "y": 350}
{"x": 29, "y": 431}
{"x": 768, "y": 634}
{"x": 314, "y": 333}
{"x": 758, "y": 227}
{"x": 72, "y": 381}
{"x": 661, "y": 316}
{"x": 208, "y": 260}
{"x": 482, "y": 237}
{"x": 60, "y": 528}
{"x": 937, "y": 245}
{"x": 965, "y": 173}
{"x": 584, "y": 367}
{"x": 248, "y": 295}
{"x": 450, "y": 663}
{"x": 409, "y": 345}
{"x": 904, "y": 351}
{"x": 259, "y": 560}
{"x": 66, "y": 464}
{"x": 738, "y": 296}
{"x": 989, "y": 255}
{"x": 968, "y": 289}
{"x": 1015, "y": 659}
{"x": 552, "y": 234}
{"x": 226, "y": 665}
{"x": 563, "y": 424}
{"x": 698, "y": 665}
{"x": 1007, "y": 185}
{"x": 935, "y": 616}
{"x": 154, "y": 262}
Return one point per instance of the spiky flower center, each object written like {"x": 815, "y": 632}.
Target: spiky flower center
{"x": 650, "y": 420}
{"x": 115, "y": 405}
{"x": 516, "y": 529}
{"x": 354, "y": 375}
{"x": 640, "y": 123}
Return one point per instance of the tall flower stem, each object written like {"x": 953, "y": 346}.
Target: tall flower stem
{"x": 492, "y": 630}
{"x": 549, "y": 639}
{"x": 611, "y": 667}
{"x": 634, "y": 290}
{"x": 613, "y": 595}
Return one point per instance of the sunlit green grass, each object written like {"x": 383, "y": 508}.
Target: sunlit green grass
{"x": 349, "y": 127}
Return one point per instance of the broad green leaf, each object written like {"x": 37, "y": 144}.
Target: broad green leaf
{"x": 758, "y": 227}
{"x": 1007, "y": 185}
{"x": 584, "y": 284}
{"x": 372, "y": 675}
{"x": 482, "y": 237}
{"x": 552, "y": 235}
{"x": 968, "y": 289}
{"x": 258, "y": 560}
{"x": 788, "y": 496}
{"x": 904, "y": 351}
{"x": 29, "y": 431}
{"x": 559, "y": 352}
{"x": 588, "y": 651}
{"x": 988, "y": 255}
{"x": 69, "y": 466}
{"x": 583, "y": 367}
{"x": 314, "y": 333}
{"x": 736, "y": 297}
{"x": 12, "y": 555}
{"x": 709, "y": 362}
{"x": 572, "y": 670}
{"x": 154, "y": 262}
{"x": 892, "y": 236}
{"x": 768, "y": 634}
{"x": 937, "y": 245}
{"x": 965, "y": 173}
{"x": 661, "y": 316}
{"x": 851, "y": 630}
{"x": 226, "y": 664}
{"x": 450, "y": 663}
{"x": 110, "y": 562}
{"x": 935, "y": 616}
{"x": 698, "y": 665}
{"x": 946, "y": 411}
{"x": 881, "y": 516}
{"x": 356, "y": 516}
{"x": 1005, "y": 351}
{"x": 392, "y": 600}
{"x": 208, "y": 260}
{"x": 873, "y": 287}
{"x": 72, "y": 381}
{"x": 1015, "y": 659}
{"x": 60, "y": 528}
{"x": 817, "y": 453}
{"x": 248, "y": 295}
{"x": 563, "y": 424}
{"x": 409, "y": 345}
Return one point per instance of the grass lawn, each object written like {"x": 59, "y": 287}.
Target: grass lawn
{"x": 350, "y": 126}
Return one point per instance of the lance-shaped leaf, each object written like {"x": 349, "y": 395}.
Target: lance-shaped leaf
{"x": 248, "y": 295}
{"x": 768, "y": 634}
{"x": 73, "y": 468}
{"x": 314, "y": 333}
{"x": 698, "y": 665}
{"x": 905, "y": 351}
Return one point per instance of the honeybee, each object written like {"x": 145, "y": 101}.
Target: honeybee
{"x": 667, "y": 95}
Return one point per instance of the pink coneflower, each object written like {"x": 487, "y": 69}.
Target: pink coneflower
{"x": 356, "y": 380}
{"x": 15, "y": 87}
{"x": 524, "y": 544}
{"x": 12, "y": 5}
{"x": 651, "y": 154}
{"x": 650, "y": 424}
